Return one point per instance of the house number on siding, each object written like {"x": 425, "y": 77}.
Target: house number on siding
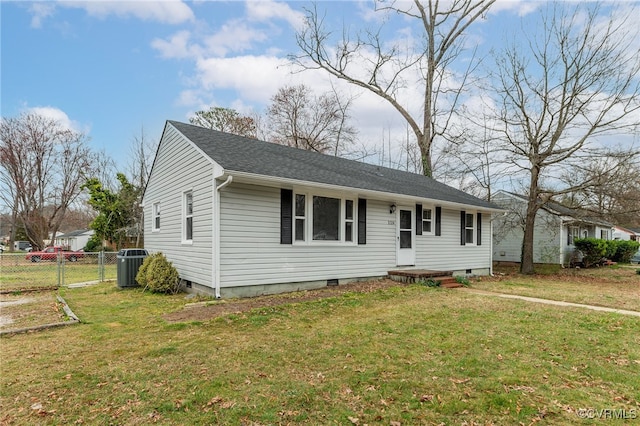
{"x": 391, "y": 222}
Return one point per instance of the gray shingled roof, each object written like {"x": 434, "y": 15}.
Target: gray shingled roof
{"x": 240, "y": 154}
{"x": 559, "y": 209}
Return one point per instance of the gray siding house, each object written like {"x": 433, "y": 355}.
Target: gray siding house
{"x": 555, "y": 229}
{"x": 242, "y": 217}
{"x": 75, "y": 240}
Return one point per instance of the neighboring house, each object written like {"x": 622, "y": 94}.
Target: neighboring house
{"x": 240, "y": 217}
{"x": 74, "y": 240}
{"x": 555, "y": 229}
{"x": 620, "y": 233}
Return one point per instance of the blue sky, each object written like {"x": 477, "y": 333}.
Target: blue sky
{"x": 110, "y": 68}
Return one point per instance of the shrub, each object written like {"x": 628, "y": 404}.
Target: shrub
{"x": 460, "y": 279}
{"x": 624, "y": 250}
{"x": 158, "y": 274}
{"x": 611, "y": 248}
{"x": 94, "y": 244}
{"x": 429, "y": 283}
{"x": 593, "y": 250}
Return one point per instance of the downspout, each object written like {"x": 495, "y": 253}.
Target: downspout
{"x": 563, "y": 238}
{"x": 216, "y": 224}
{"x": 491, "y": 247}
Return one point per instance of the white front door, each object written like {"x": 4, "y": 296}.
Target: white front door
{"x": 405, "y": 240}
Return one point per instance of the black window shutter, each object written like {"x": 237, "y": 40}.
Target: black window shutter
{"x": 286, "y": 218}
{"x": 479, "y": 228}
{"x": 462, "y": 227}
{"x": 418, "y": 219}
{"x": 438, "y": 221}
{"x": 362, "y": 221}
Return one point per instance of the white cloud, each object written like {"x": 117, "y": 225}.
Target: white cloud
{"x": 163, "y": 11}
{"x": 233, "y": 36}
{"x": 267, "y": 10}
{"x": 40, "y": 11}
{"x": 177, "y": 46}
{"x": 60, "y": 116}
{"x": 522, "y": 7}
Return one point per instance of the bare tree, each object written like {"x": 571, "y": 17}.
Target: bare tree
{"x": 575, "y": 81}
{"x": 142, "y": 152}
{"x": 615, "y": 196}
{"x": 225, "y": 120}
{"x": 43, "y": 166}
{"x": 396, "y": 71}
{"x": 473, "y": 159}
{"x": 300, "y": 119}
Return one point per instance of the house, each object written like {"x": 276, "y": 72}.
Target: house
{"x": 621, "y": 233}
{"x": 74, "y": 240}
{"x": 555, "y": 229}
{"x": 242, "y": 217}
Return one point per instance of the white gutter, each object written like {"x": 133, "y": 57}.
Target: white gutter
{"x": 216, "y": 234}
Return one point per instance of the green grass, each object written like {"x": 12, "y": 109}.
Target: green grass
{"x": 411, "y": 354}
{"x": 614, "y": 287}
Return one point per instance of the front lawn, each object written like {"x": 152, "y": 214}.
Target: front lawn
{"x": 614, "y": 286}
{"x": 399, "y": 355}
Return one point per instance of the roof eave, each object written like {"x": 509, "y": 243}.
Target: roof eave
{"x": 240, "y": 176}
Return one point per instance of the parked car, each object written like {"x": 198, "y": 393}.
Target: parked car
{"x": 636, "y": 258}
{"x": 52, "y": 253}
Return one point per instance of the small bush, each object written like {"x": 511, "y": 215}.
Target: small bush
{"x": 460, "y": 279}
{"x": 158, "y": 275}
{"x": 593, "y": 250}
{"x": 623, "y": 250}
{"x": 94, "y": 244}
{"x": 430, "y": 283}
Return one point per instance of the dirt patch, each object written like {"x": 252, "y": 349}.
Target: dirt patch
{"x": 28, "y": 310}
{"x": 204, "y": 311}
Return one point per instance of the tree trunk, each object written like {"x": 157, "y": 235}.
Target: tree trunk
{"x": 526, "y": 260}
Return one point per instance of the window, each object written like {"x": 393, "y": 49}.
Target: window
{"x": 574, "y": 232}
{"x": 318, "y": 218}
{"x": 188, "y": 216}
{"x": 469, "y": 228}
{"x": 604, "y": 234}
{"x": 326, "y": 219}
{"x": 427, "y": 221}
{"x": 156, "y": 217}
{"x": 348, "y": 220}
{"x": 300, "y": 216}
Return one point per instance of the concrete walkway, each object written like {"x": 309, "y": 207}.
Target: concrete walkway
{"x": 551, "y": 302}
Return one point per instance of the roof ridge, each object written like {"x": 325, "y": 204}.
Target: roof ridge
{"x": 242, "y": 154}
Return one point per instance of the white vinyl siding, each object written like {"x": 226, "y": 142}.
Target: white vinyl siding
{"x": 444, "y": 253}
{"x": 550, "y": 240}
{"x": 180, "y": 167}
{"x": 251, "y": 252}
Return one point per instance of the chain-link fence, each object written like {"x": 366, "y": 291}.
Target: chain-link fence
{"x": 23, "y": 271}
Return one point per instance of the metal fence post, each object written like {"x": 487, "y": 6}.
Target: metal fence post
{"x": 58, "y": 269}
{"x": 101, "y": 265}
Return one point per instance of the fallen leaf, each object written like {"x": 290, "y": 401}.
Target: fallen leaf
{"x": 354, "y": 420}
